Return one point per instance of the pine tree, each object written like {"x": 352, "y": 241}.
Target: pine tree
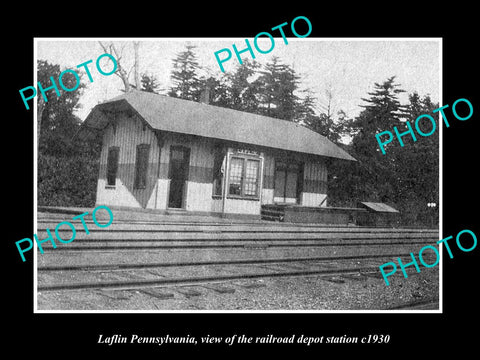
{"x": 416, "y": 165}
{"x": 305, "y": 113}
{"x": 241, "y": 91}
{"x": 383, "y": 111}
{"x": 406, "y": 177}
{"x": 149, "y": 83}
{"x": 67, "y": 167}
{"x": 372, "y": 177}
{"x": 57, "y": 121}
{"x": 278, "y": 84}
{"x": 184, "y": 75}
{"x": 326, "y": 123}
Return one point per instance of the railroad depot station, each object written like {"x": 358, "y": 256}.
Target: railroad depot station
{"x": 177, "y": 156}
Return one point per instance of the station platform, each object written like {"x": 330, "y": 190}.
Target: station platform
{"x": 131, "y": 214}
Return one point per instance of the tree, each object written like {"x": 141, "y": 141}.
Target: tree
{"x": 136, "y": 65}
{"x": 372, "y": 177}
{"x": 149, "y": 83}
{"x": 406, "y": 177}
{"x": 239, "y": 90}
{"x": 57, "y": 122}
{"x": 278, "y": 84}
{"x": 306, "y": 115}
{"x": 416, "y": 165}
{"x": 325, "y": 123}
{"x": 343, "y": 132}
{"x": 383, "y": 111}
{"x": 184, "y": 75}
{"x": 121, "y": 71}
{"x": 67, "y": 167}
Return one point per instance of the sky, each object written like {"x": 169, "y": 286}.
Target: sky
{"x": 347, "y": 67}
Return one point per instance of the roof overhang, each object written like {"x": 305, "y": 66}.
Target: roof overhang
{"x": 175, "y": 115}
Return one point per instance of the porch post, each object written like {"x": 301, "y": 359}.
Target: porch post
{"x": 225, "y": 174}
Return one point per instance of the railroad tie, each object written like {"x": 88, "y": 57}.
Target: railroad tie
{"x": 188, "y": 292}
{"x": 220, "y": 288}
{"x": 115, "y": 294}
{"x": 157, "y": 293}
{"x": 357, "y": 277}
{"x": 251, "y": 285}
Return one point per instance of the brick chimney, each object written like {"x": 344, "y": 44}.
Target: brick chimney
{"x": 205, "y": 95}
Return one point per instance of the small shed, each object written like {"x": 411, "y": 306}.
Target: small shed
{"x": 378, "y": 214}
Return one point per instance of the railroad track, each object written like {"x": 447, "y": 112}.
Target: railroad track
{"x": 143, "y": 255}
{"x": 226, "y": 223}
{"x": 118, "y": 266}
{"x": 195, "y": 280}
{"x": 162, "y": 221}
{"x": 124, "y": 236}
{"x": 424, "y": 304}
{"x": 103, "y": 245}
{"x": 336, "y": 270}
{"x": 319, "y": 266}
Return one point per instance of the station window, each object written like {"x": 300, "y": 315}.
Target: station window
{"x": 251, "y": 177}
{"x": 112, "y": 165}
{"x": 236, "y": 171}
{"x": 244, "y": 177}
{"x": 141, "y": 166}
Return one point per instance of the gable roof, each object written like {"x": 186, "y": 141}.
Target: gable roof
{"x": 189, "y": 117}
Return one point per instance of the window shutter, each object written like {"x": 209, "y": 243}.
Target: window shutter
{"x": 112, "y": 165}
{"x": 141, "y": 166}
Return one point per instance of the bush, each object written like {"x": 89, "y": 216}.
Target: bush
{"x": 67, "y": 180}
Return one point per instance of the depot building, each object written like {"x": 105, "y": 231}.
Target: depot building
{"x": 174, "y": 155}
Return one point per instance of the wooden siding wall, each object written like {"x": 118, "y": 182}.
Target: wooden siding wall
{"x": 130, "y": 132}
{"x": 126, "y": 133}
{"x": 198, "y": 190}
{"x": 315, "y": 177}
{"x": 240, "y": 206}
{"x": 315, "y": 184}
{"x": 201, "y": 157}
{"x": 269, "y": 171}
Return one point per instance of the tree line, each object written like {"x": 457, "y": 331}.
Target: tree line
{"x": 407, "y": 178}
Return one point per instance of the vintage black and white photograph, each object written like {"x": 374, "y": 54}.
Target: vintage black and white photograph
{"x": 212, "y": 175}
